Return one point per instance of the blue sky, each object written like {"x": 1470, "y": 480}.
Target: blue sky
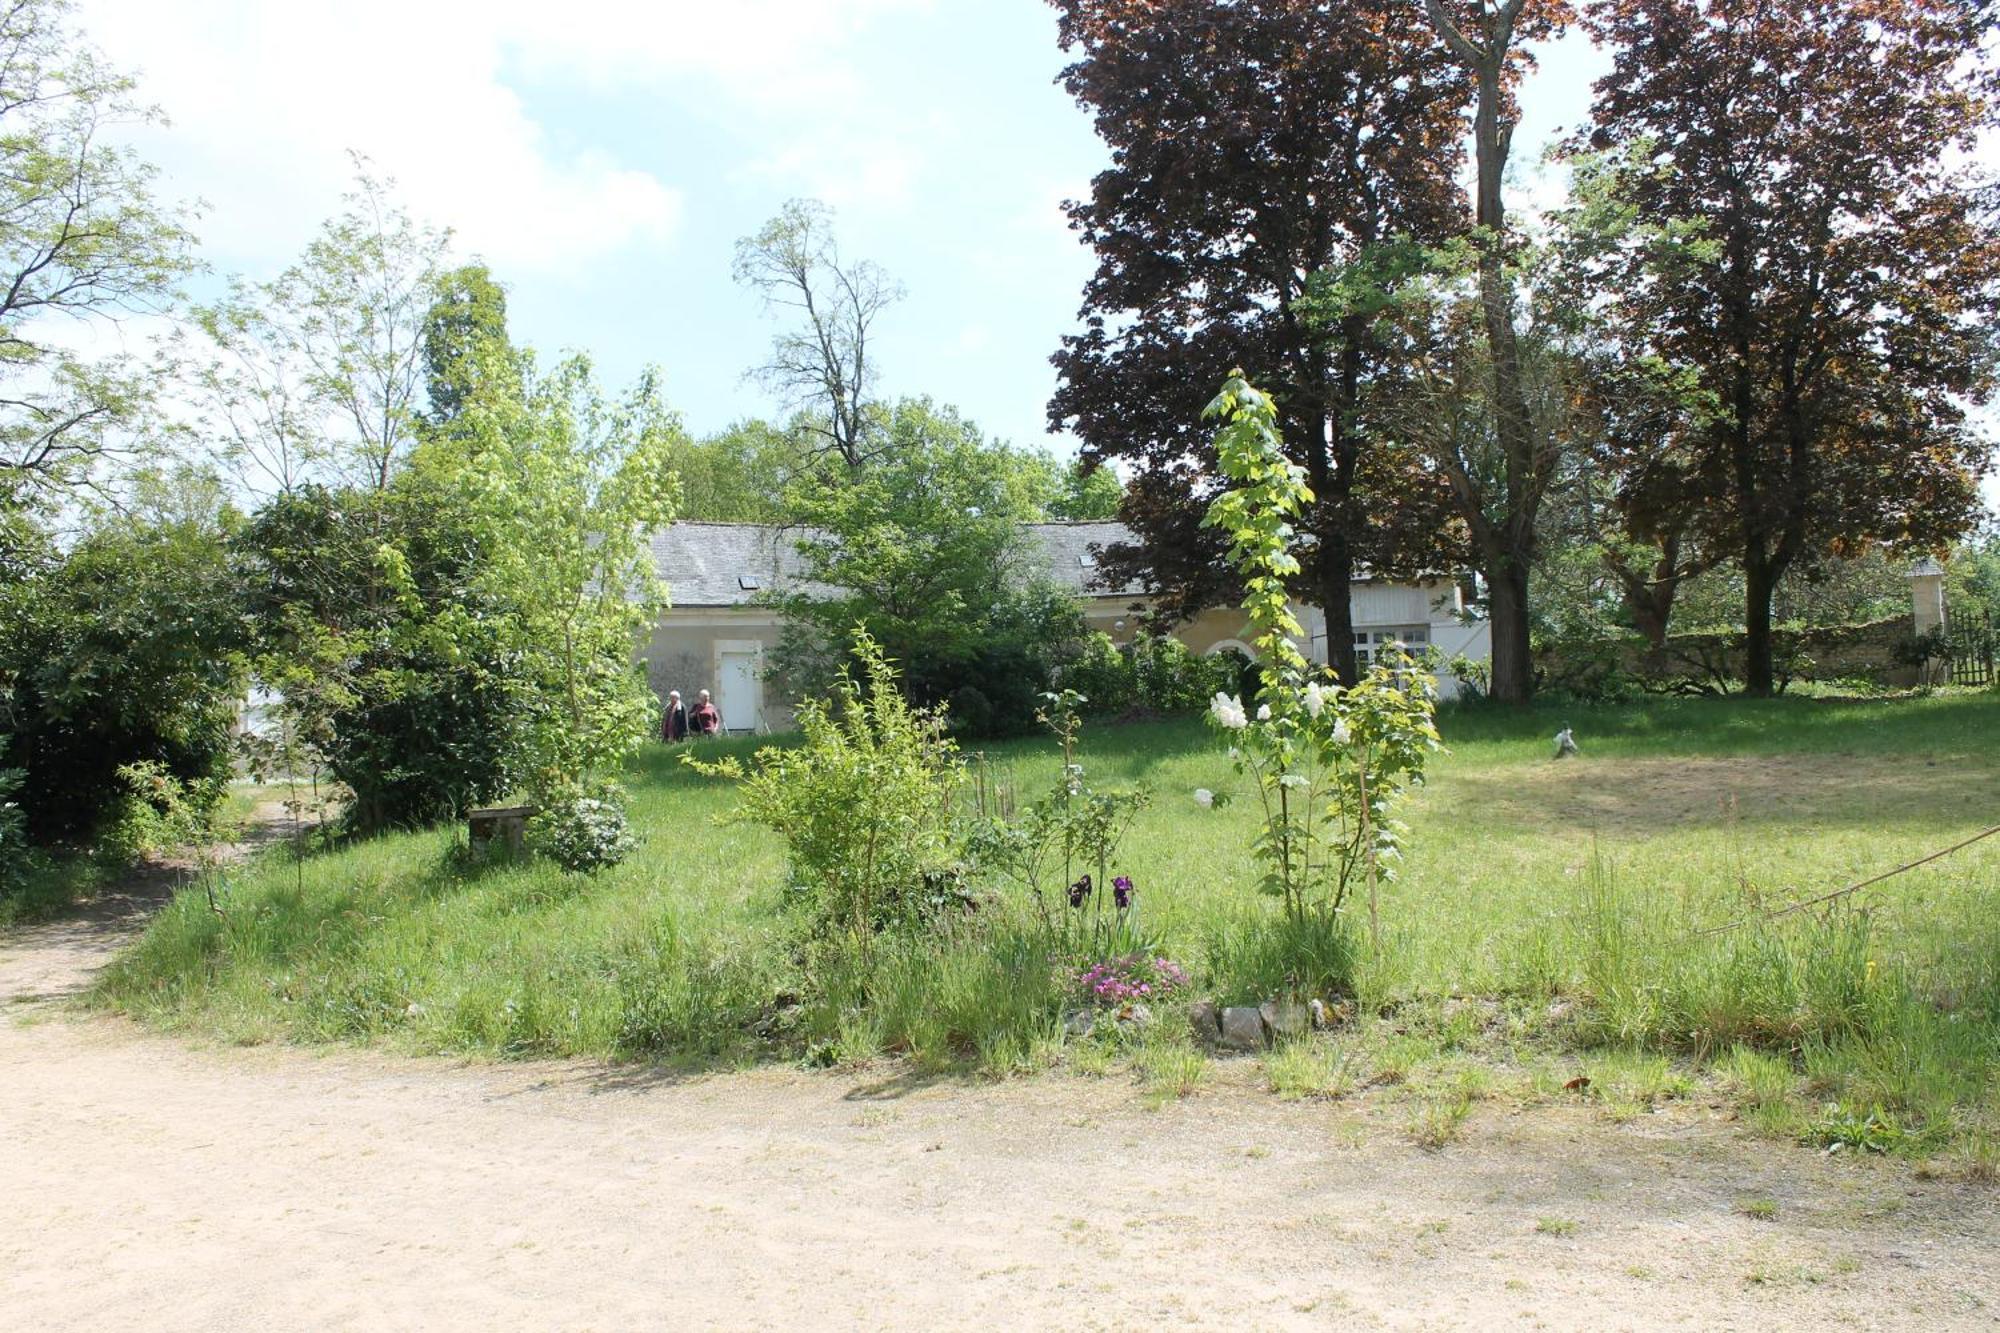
{"x": 604, "y": 156}
{"x": 606, "y": 170}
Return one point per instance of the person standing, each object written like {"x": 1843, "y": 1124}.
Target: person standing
{"x": 703, "y": 720}
{"x": 674, "y": 723}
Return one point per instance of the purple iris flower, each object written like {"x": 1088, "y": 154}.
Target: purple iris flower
{"x": 1079, "y": 891}
{"x": 1121, "y": 891}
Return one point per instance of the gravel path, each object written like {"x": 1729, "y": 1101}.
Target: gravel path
{"x": 148, "y": 1183}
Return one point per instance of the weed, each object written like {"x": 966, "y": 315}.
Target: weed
{"x": 1302, "y": 1070}
{"x": 1556, "y": 1226}
{"x": 1169, "y": 1068}
{"x": 1760, "y": 1210}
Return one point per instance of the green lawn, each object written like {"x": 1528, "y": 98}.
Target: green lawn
{"x": 1544, "y": 924}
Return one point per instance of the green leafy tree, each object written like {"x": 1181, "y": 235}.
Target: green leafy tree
{"x": 468, "y": 316}
{"x": 321, "y": 374}
{"x": 387, "y": 655}
{"x": 82, "y": 237}
{"x": 564, "y": 484}
{"x": 128, "y": 647}
{"x": 925, "y": 549}
{"x": 741, "y": 474}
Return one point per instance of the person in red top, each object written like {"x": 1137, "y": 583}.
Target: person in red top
{"x": 703, "y": 720}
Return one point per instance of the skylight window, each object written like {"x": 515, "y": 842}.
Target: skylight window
{"x": 748, "y": 583}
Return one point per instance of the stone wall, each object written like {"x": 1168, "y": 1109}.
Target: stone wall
{"x": 1714, "y": 661}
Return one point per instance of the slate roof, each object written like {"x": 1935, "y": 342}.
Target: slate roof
{"x": 729, "y": 564}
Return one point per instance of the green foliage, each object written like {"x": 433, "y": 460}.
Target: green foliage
{"x": 1063, "y": 848}
{"x": 466, "y": 320}
{"x": 1329, "y": 763}
{"x": 562, "y": 486}
{"x": 924, "y": 549}
{"x": 741, "y": 474}
{"x": 1156, "y": 673}
{"x": 82, "y": 235}
{"x": 1972, "y": 584}
{"x": 580, "y": 832}
{"x": 17, "y": 856}
{"x": 864, "y": 803}
{"x": 161, "y": 815}
{"x": 389, "y": 658}
{"x": 129, "y": 647}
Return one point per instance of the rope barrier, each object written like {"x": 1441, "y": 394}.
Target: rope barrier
{"x": 1825, "y": 898}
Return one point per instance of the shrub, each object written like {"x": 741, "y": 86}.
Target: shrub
{"x": 159, "y": 815}
{"x": 1328, "y": 762}
{"x": 127, "y": 649}
{"x": 582, "y": 833}
{"x": 1102, "y": 674}
{"x": 864, "y": 804}
{"x": 1155, "y": 672}
{"x": 17, "y": 858}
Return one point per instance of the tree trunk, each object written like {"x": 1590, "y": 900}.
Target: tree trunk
{"x": 1507, "y": 605}
{"x": 1333, "y": 580}
{"x": 1760, "y": 582}
{"x": 1507, "y": 560}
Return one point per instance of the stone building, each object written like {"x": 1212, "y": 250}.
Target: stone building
{"x": 719, "y": 629}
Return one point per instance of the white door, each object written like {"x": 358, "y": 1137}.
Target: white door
{"x": 736, "y": 688}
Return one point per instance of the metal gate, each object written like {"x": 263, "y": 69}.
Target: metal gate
{"x": 1972, "y": 652}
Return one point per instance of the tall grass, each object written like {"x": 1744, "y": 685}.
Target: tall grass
{"x": 1573, "y": 894}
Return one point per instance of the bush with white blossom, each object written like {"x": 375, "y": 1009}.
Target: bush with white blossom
{"x": 582, "y": 833}
{"x": 1328, "y": 762}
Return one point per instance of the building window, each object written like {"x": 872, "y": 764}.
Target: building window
{"x": 1369, "y": 644}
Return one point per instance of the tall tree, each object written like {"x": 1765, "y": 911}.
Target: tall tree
{"x": 1255, "y": 147}
{"x": 1840, "y": 314}
{"x": 320, "y": 374}
{"x": 466, "y": 329}
{"x": 82, "y": 238}
{"x": 1489, "y": 37}
{"x": 822, "y": 363}
{"x": 925, "y": 549}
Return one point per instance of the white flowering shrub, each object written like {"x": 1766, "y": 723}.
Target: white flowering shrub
{"x": 1328, "y": 763}
{"x": 582, "y": 833}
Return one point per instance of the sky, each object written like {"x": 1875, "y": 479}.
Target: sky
{"x": 603, "y": 156}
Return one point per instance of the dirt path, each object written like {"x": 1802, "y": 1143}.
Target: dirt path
{"x": 149, "y": 1184}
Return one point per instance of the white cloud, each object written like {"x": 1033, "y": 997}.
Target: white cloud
{"x": 267, "y": 99}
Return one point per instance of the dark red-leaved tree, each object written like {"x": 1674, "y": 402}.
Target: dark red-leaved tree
{"x": 1255, "y": 145}
{"x": 1839, "y": 313}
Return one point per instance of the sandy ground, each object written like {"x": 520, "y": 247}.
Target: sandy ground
{"x": 146, "y": 1183}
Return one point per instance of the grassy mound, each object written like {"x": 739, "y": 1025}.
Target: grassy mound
{"x": 1549, "y": 913}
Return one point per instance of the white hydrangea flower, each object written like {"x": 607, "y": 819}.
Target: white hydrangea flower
{"x": 1341, "y": 735}
{"x": 1264, "y": 713}
{"x": 1204, "y": 798}
{"x": 1229, "y": 712}
{"x": 1315, "y": 700}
